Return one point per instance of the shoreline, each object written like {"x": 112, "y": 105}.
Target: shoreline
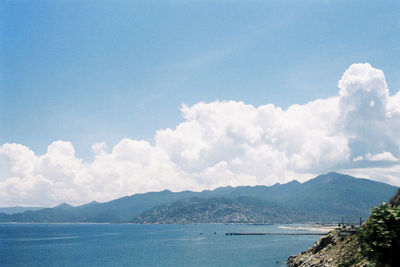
{"x": 294, "y": 226}
{"x": 317, "y": 228}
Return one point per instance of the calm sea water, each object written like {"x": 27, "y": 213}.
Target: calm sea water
{"x": 145, "y": 245}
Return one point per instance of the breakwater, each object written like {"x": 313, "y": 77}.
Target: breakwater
{"x": 276, "y": 233}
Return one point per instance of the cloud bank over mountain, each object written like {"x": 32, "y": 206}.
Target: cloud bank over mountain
{"x": 223, "y": 143}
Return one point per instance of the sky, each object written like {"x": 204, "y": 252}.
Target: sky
{"x": 102, "y": 99}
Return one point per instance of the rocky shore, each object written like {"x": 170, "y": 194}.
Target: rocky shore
{"x": 335, "y": 250}
{"x": 330, "y": 250}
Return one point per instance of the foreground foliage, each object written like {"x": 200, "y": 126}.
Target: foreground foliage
{"x": 377, "y": 243}
{"x": 380, "y": 236}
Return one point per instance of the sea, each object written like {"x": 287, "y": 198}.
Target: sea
{"x": 148, "y": 245}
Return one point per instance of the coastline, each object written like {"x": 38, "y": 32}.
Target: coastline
{"x": 311, "y": 227}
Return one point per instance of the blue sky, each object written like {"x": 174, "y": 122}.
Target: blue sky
{"x": 87, "y": 72}
{"x": 99, "y": 71}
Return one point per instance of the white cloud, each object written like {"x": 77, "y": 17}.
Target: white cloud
{"x": 384, "y": 156}
{"x": 223, "y": 143}
{"x": 386, "y": 174}
{"x": 359, "y": 158}
{"x": 368, "y": 127}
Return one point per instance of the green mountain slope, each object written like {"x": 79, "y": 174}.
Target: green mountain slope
{"x": 219, "y": 210}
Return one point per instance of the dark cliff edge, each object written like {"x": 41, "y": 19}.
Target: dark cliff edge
{"x": 331, "y": 250}
{"x": 334, "y": 250}
{"x": 395, "y": 200}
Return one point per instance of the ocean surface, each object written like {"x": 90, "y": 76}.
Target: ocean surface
{"x": 146, "y": 245}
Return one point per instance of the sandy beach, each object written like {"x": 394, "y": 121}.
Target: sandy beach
{"x": 316, "y": 228}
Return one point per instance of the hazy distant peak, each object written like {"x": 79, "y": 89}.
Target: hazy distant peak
{"x": 332, "y": 176}
{"x": 293, "y": 182}
{"x": 165, "y": 191}
{"x": 64, "y": 206}
{"x": 92, "y": 203}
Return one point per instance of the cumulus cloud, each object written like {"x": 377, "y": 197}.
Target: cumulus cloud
{"x": 368, "y": 120}
{"x": 223, "y": 143}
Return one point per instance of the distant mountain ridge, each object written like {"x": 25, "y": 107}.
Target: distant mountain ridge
{"x": 17, "y": 209}
{"x": 327, "y": 197}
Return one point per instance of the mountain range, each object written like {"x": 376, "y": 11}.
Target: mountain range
{"x": 326, "y": 198}
{"x": 17, "y": 209}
